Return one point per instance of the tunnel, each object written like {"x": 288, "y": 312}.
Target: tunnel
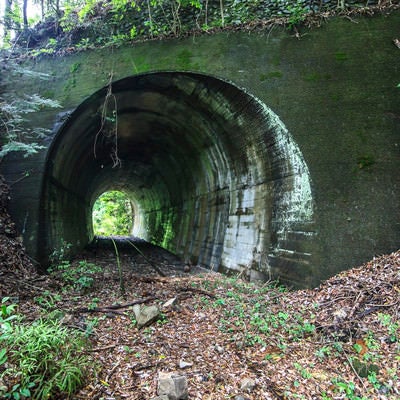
{"x": 212, "y": 173}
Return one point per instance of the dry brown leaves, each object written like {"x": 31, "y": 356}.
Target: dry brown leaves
{"x": 15, "y": 265}
{"x": 208, "y": 334}
{"x": 338, "y": 341}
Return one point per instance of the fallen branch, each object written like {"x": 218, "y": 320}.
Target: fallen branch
{"x": 113, "y": 370}
{"x": 197, "y": 290}
{"x": 111, "y": 308}
{"x": 375, "y": 307}
{"x": 146, "y": 366}
{"x": 112, "y": 346}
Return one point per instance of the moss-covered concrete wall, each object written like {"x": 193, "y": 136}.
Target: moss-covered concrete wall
{"x": 335, "y": 90}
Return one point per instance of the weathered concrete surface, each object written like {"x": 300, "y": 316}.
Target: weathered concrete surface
{"x": 213, "y": 173}
{"x": 279, "y": 154}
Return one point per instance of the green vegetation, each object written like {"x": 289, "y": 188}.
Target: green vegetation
{"x": 365, "y": 161}
{"x": 183, "y": 59}
{"x": 40, "y": 359}
{"x": 47, "y": 300}
{"x": 112, "y": 214}
{"x": 272, "y": 74}
{"x": 15, "y": 136}
{"x": 297, "y": 13}
{"x": 78, "y": 276}
{"x": 84, "y": 24}
{"x": 254, "y": 314}
{"x": 314, "y": 77}
{"x": 71, "y": 81}
{"x": 340, "y": 56}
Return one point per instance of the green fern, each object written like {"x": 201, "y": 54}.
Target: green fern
{"x": 14, "y": 131}
{"x": 44, "y": 359}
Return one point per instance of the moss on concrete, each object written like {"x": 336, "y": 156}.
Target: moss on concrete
{"x": 335, "y": 89}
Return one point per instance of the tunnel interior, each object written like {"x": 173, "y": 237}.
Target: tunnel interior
{"x": 212, "y": 173}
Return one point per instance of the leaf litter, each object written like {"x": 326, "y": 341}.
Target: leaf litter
{"x": 232, "y": 339}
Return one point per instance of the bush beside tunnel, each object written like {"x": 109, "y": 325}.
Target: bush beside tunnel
{"x": 213, "y": 174}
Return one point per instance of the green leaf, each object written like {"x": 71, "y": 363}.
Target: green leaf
{"x": 3, "y": 357}
{"x": 25, "y": 392}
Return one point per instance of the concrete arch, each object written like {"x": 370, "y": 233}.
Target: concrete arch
{"x": 214, "y": 174}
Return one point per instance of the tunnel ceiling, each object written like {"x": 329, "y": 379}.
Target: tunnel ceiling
{"x": 162, "y": 127}
{"x": 211, "y": 170}
{"x": 162, "y": 131}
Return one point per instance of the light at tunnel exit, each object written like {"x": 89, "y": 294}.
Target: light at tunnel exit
{"x": 112, "y": 214}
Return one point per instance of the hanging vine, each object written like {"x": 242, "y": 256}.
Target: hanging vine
{"x": 109, "y": 124}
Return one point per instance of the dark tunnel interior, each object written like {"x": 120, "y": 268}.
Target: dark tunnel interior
{"x": 212, "y": 173}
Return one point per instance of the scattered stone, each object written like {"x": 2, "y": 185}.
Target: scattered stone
{"x": 247, "y": 385}
{"x": 145, "y": 315}
{"x": 257, "y": 276}
{"x": 219, "y": 348}
{"x": 240, "y": 397}
{"x": 173, "y": 385}
{"x": 339, "y": 314}
{"x": 170, "y": 302}
{"x": 184, "y": 364}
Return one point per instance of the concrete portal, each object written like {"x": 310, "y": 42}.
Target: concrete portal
{"x": 212, "y": 172}
{"x": 300, "y": 192}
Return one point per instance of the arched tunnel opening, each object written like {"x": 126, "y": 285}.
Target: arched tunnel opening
{"x": 113, "y": 215}
{"x": 212, "y": 173}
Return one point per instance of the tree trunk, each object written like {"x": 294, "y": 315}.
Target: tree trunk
{"x": 7, "y": 18}
{"x": 24, "y": 13}
{"x": 221, "y": 6}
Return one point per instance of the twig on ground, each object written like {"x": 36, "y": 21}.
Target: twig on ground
{"x": 112, "y": 346}
{"x": 113, "y": 370}
{"x": 113, "y": 307}
{"x": 197, "y": 290}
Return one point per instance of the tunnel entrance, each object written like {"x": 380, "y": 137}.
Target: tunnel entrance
{"x": 212, "y": 172}
{"x": 112, "y": 214}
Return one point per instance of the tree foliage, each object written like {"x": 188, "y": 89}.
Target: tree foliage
{"x": 112, "y": 214}
{"x": 14, "y": 109}
{"x": 81, "y": 24}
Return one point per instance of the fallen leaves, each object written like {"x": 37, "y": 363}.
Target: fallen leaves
{"x": 218, "y": 358}
{"x": 230, "y": 338}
